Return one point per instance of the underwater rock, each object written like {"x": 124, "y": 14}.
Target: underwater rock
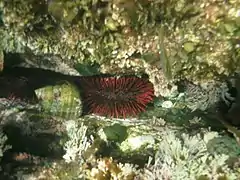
{"x": 16, "y": 88}
{"x": 230, "y": 108}
{"x": 202, "y": 97}
{"x": 62, "y": 99}
{"x": 47, "y": 62}
{"x": 115, "y": 132}
{"x": 137, "y": 142}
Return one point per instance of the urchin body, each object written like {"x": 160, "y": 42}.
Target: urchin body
{"x": 116, "y": 97}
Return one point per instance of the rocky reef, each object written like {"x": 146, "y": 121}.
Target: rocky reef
{"x": 188, "y": 50}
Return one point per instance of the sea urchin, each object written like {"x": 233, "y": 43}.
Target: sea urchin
{"x": 116, "y": 97}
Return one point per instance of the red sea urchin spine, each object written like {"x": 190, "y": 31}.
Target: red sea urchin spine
{"x": 116, "y": 97}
